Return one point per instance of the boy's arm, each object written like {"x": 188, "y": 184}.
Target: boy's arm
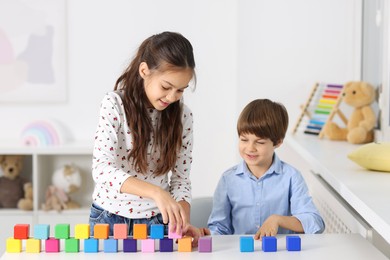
{"x": 220, "y": 222}
{"x": 273, "y": 222}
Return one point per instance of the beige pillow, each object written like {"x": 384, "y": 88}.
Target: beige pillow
{"x": 373, "y": 156}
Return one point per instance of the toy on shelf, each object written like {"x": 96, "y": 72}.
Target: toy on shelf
{"x": 43, "y": 133}
{"x": 321, "y": 104}
{"x": 65, "y": 181}
{"x": 359, "y": 127}
{"x": 11, "y": 183}
{"x": 26, "y": 203}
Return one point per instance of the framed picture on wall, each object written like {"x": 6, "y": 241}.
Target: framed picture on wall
{"x": 32, "y": 51}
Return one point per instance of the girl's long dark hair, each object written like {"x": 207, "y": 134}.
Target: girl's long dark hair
{"x": 161, "y": 52}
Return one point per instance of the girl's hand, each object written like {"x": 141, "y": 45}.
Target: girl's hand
{"x": 193, "y": 232}
{"x": 172, "y": 212}
{"x": 269, "y": 228}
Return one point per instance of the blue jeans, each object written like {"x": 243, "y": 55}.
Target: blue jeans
{"x": 100, "y": 215}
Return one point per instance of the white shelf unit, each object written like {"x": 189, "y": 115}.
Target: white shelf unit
{"x": 39, "y": 165}
{"x": 349, "y": 197}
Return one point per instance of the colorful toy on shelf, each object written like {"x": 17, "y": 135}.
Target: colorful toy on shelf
{"x": 11, "y": 183}
{"x": 26, "y": 203}
{"x": 65, "y": 181}
{"x": 43, "y": 133}
{"x": 323, "y": 101}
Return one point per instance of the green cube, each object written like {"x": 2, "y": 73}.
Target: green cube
{"x": 62, "y": 231}
{"x": 72, "y": 245}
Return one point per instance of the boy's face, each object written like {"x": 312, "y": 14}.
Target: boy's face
{"x": 256, "y": 152}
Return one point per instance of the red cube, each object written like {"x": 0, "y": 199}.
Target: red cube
{"x": 21, "y": 231}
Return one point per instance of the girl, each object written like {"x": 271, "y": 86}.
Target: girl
{"x": 145, "y": 132}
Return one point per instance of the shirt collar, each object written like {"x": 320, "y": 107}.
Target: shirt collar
{"x": 276, "y": 167}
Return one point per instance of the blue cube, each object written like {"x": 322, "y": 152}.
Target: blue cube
{"x": 91, "y": 245}
{"x": 110, "y": 245}
{"x": 293, "y": 243}
{"x": 41, "y": 231}
{"x": 157, "y": 231}
{"x": 269, "y": 244}
{"x": 247, "y": 244}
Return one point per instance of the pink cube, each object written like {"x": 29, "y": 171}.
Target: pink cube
{"x": 120, "y": 231}
{"x": 52, "y": 245}
{"x": 147, "y": 245}
{"x": 173, "y": 234}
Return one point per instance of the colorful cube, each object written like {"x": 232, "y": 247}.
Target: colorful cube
{"x": 21, "y": 231}
{"x": 157, "y": 231}
{"x": 173, "y": 234}
{"x": 41, "y": 231}
{"x": 184, "y": 244}
{"x": 166, "y": 245}
{"x": 82, "y": 231}
{"x": 101, "y": 231}
{"x": 130, "y": 245}
{"x": 205, "y": 244}
{"x": 91, "y": 245}
{"x": 33, "y": 245}
{"x": 247, "y": 244}
{"x": 140, "y": 231}
{"x": 147, "y": 245}
{"x": 52, "y": 245}
{"x": 72, "y": 245}
{"x": 293, "y": 243}
{"x": 62, "y": 231}
{"x": 110, "y": 245}
{"x": 269, "y": 244}
{"x": 14, "y": 245}
{"x": 120, "y": 231}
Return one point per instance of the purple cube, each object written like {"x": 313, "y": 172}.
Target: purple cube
{"x": 166, "y": 245}
{"x": 130, "y": 245}
{"x": 205, "y": 244}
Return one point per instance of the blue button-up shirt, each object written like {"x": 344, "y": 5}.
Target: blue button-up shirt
{"x": 243, "y": 202}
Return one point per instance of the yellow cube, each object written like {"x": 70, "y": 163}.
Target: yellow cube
{"x": 14, "y": 245}
{"x": 184, "y": 244}
{"x": 33, "y": 245}
{"x": 81, "y": 231}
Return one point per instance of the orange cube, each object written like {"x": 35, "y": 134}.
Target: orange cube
{"x": 184, "y": 244}
{"x": 140, "y": 231}
{"x": 101, "y": 231}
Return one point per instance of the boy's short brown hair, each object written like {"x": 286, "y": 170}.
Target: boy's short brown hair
{"x": 265, "y": 119}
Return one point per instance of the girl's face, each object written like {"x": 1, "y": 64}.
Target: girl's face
{"x": 164, "y": 88}
{"x": 257, "y": 153}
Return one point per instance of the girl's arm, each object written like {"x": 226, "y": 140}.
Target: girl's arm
{"x": 175, "y": 213}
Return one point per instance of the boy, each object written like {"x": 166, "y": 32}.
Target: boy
{"x": 262, "y": 195}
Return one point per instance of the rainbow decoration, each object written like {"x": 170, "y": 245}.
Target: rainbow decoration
{"x": 42, "y": 133}
{"x": 322, "y": 106}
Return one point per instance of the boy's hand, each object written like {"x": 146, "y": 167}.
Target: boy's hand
{"x": 269, "y": 228}
{"x": 204, "y": 232}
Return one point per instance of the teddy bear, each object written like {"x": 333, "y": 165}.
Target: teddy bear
{"x": 26, "y": 203}
{"x": 65, "y": 181}
{"x": 360, "y": 95}
{"x": 11, "y": 183}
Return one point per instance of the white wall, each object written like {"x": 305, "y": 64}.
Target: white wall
{"x": 244, "y": 49}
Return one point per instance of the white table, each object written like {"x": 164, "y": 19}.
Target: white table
{"x": 321, "y": 246}
{"x": 368, "y": 192}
